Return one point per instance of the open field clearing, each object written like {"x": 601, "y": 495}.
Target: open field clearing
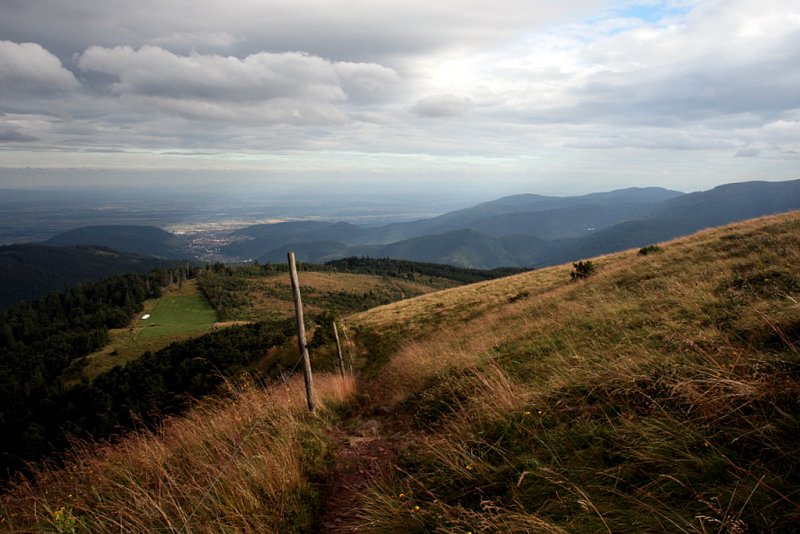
{"x": 180, "y": 313}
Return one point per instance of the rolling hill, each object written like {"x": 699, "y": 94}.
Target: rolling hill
{"x": 517, "y": 231}
{"x": 30, "y": 271}
{"x": 536, "y": 215}
{"x": 141, "y": 240}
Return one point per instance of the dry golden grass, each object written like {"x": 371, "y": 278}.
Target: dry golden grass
{"x": 269, "y": 296}
{"x": 460, "y": 326}
{"x": 238, "y": 465}
{"x": 645, "y": 398}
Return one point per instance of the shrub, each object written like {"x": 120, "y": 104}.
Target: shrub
{"x": 582, "y": 269}
{"x": 649, "y": 249}
{"x": 519, "y": 296}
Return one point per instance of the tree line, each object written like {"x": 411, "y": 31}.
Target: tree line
{"x": 410, "y": 269}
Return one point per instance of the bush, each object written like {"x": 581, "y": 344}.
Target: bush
{"x": 519, "y": 296}
{"x": 649, "y": 249}
{"x": 582, "y": 269}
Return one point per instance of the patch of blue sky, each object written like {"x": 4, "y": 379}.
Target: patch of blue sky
{"x": 652, "y": 11}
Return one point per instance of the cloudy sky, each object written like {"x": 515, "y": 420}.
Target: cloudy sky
{"x": 508, "y": 95}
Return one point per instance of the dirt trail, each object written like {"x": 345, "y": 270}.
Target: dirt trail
{"x": 366, "y": 447}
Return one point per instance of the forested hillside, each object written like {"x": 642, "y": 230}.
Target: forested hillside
{"x": 32, "y": 271}
{"x": 42, "y": 339}
{"x": 38, "y": 341}
{"x": 46, "y": 344}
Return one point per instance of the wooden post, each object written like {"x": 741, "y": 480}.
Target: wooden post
{"x": 339, "y": 349}
{"x": 301, "y": 334}
{"x": 349, "y": 350}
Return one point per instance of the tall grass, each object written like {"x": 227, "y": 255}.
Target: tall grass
{"x": 661, "y": 394}
{"x": 243, "y": 465}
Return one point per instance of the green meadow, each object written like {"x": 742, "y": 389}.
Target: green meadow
{"x": 179, "y": 314}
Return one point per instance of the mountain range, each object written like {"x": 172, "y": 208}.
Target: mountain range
{"x": 526, "y": 231}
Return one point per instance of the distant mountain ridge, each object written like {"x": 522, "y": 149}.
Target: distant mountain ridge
{"x": 535, "y": 230}
{"x": 526, "y": 230}
{"x": 142, "y": 240}
{"x": 31, "y": 271}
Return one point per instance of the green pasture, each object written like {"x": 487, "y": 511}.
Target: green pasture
{"x": 176, "y": 315}
{"x": 179, "y": 314}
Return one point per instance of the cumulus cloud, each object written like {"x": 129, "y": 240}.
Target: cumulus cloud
{"x": 153, "y": 71}
{"x": 348, "y": 31}
{"x": 693, "y": 82}
{"x": 26, "y": 67}
{"x": 289, "y": 86}
{"x": 720, "y": 58}
{"x": 441, "y": 106}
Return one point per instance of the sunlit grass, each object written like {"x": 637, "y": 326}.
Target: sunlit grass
{"x": 660, "y": 394}
{"x": 180, "y": 313}
{"x": 244, "y": 464}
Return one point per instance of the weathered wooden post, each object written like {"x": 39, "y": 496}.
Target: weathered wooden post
{"x": 339, "y": 349}
{"x": 349, "y": 350}
{"x": 301, "y": 334}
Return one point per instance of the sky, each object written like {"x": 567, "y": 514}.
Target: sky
{"x": 507, "y": 96}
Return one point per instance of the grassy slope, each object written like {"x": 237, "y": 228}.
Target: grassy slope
{"x": 662, "y": 394}
{"x": 250, "y": 297}
{"x": 242, "y": 465}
